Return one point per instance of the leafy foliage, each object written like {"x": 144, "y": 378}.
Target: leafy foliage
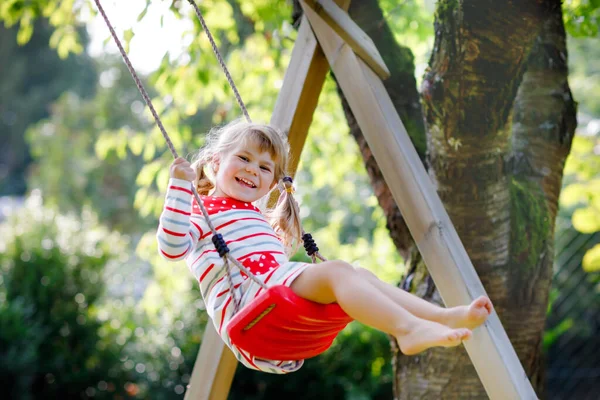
{"x": 582, "y": 192}
{"x": 412, "y": 24}
{"x": 62, "y": 15}
{"x": 33, "y": 76}
{"x": 582, "y": 17}
{"x": 52, "y": 273}
{"x": 88, "y": 140}
{"x": 584, "y": 76}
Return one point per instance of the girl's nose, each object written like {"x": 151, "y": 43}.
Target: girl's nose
{"x": 251, "y": 169}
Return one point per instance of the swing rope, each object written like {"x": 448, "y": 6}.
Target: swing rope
{"x": 217, "y": 238}
{"x": 309, "y": 243}
{"x": 220, "y": 59}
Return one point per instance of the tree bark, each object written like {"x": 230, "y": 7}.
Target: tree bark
{"x": 497, "y": 141}
{"x": 543, "y": 125}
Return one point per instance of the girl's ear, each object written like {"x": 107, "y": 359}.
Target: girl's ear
{"x": 215, "y": 161}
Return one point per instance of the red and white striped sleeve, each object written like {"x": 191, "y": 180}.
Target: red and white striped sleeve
{"x": 176, "y": 234}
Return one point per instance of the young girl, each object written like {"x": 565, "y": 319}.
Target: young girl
{"x": 245, "y": 162}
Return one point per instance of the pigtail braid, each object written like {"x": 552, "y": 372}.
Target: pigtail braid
{"x": 285, "y": 217}
{"x": 202, "y": 183}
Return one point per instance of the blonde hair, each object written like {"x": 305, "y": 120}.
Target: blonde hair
{"x": 285, "y": 216}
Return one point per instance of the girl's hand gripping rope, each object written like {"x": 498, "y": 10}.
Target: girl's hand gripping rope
{"x": 181, "y": 169}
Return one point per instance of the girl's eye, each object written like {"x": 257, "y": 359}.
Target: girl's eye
{"x": 265, "y": 169}
{"x": 243, "y": 158}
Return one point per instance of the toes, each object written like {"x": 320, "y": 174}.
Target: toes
{"x": 465, "y": 334}
{"x": 459, "y": 335}
{"x": 483, "y": 302}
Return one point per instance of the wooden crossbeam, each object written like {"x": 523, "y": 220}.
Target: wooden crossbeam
{"x": 347, "y": 29}
{"x": 490, "y": 350}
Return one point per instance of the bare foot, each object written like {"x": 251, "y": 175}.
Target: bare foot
{"x": 470, "y": 316}
{"x": 431, "y": 334}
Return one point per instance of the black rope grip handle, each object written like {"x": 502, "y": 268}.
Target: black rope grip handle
{"x": 309, "y": 244}
{"x": 220, "y": 245}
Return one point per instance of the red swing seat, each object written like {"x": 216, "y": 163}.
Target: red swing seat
{"x": 280, "y": 325}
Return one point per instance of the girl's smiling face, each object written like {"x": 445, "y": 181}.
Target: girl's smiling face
{"x": 246, "y": 173}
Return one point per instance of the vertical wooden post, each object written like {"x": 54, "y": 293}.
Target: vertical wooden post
{"x": 214, "y": 368}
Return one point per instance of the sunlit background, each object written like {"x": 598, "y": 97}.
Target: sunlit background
{"x": 82, "y": 177}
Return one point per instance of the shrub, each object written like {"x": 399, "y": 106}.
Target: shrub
{"x": 52, "y": 271}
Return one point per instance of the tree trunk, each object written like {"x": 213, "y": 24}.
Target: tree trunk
{"x": 497, "y": 141}
{"x": 543, "y": 125}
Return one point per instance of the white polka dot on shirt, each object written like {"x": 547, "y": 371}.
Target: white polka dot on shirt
{"x": 224, "y": 202}
{"x": 261, "y": 265}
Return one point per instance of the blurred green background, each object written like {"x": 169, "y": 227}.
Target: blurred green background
{"x": 89, "y": 310}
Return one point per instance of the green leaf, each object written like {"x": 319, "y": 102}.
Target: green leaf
{"x": 127, "y": 36}
{"x": 143, "y": 13}
{"x": 103, "y": 145}
{"x": 149, "y": 151}
{"x": 573, "y": 194}
{"x": 162, "y": 178}
{"x": 136, "y": 144}
{"x": 140, "y": 197}
{"x": 591, "y": 259}
{"x": 586, "y": 220}
{"x": 25, "y": 32}
{"x": 148, "y": 173}
{"x": 551, "y": 335}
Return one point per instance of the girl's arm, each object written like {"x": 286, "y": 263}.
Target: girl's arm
{"x": 177, "y": 235}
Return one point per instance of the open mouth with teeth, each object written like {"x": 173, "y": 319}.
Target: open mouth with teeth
{"x": 245, "y": 182}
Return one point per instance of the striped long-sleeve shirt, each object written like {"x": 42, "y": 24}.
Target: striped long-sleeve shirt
{"x": 184, "y": 234}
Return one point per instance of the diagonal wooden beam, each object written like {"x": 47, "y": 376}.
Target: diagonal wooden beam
{"x": 490, "y": 350}
{"x": 339, "y": 20}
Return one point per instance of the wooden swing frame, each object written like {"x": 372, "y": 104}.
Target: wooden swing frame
{"x": 328, "y": 38}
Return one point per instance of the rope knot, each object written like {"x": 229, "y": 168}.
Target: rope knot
{"x": 220, "y": 244}
{"x": 309, "y": 244}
